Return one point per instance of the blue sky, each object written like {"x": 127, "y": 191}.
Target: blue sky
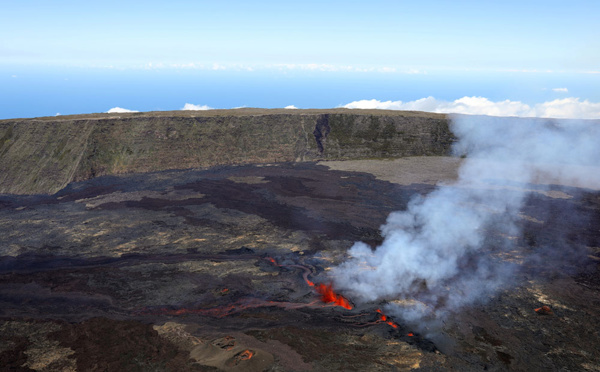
{"x": 520, "y": 49}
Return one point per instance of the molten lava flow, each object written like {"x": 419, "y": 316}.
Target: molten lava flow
{"x": 329, "y": 296}
{"x": 385, "y": 319}
{"x": 410, "y": 334}
{"x": 326, "y": 291}
{"x": 245, "y": 355}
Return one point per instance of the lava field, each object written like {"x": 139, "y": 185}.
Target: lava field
{"x": 229, "y": 269}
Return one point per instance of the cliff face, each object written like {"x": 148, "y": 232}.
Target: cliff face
{"x": 43, "y": 155}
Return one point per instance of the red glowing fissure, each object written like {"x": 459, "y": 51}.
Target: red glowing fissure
{"x": 385, "y": 319}
{"x": 326, "y": 292}
{"x": 328, "y": 296}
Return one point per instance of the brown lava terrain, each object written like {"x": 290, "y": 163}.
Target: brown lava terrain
{"x": 218, "y": 269}
{"x": 172, "y": 271}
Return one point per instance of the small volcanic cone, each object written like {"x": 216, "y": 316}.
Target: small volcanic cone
{"x": 225, "y": 343}
{"x": 244, "y": 355}
{"x": 227, "y": 354}
{"x": 329, "y": 296}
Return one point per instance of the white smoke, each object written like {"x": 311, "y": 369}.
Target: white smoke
{"x": 435, "y": 258}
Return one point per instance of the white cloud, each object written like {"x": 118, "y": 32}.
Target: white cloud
{"x": 57, "y": 114}
{"x": 119, "y": 110}
{"x": 192, "y": 107}
{"x": 291, "y": 107}
{"x": 561, "y": 90}
{"x": 560, "y": 108}
{"x": 569, "y": 108}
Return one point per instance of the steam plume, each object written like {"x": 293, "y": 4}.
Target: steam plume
{"x": 432, "y": 261}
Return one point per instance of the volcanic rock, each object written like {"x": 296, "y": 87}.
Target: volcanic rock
{"x": 148, "y": 267}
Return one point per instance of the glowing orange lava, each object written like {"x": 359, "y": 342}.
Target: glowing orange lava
{"x": 329, "y": 296}
{"x": 245, "y": 355}
{"x": 326, "y": 291}
{"x": 384, "y": 318}
{"x": 392, "y": 324}
{"x": 410, "y": 334}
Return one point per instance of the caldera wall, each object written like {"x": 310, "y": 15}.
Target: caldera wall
{"x": 43, "y": 155}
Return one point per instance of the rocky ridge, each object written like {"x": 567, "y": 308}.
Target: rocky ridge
{"x": 43, "y": 155}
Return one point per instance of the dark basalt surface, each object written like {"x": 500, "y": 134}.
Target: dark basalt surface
{"x": 172, "y": 271}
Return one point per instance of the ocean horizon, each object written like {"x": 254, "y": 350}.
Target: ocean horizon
{"x": 34, "y": 91}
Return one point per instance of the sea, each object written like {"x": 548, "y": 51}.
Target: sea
{"x": 27, "y": 91}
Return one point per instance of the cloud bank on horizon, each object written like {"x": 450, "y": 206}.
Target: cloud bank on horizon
{"x": 119, "y": 110}
{"x": 565, "y": 108}
{"x": 192, "y": 107}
